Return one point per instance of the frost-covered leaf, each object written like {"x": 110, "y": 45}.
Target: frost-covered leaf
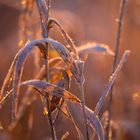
{"x": 65, "y": 35}
{"x": 110, "y": 83}
{"x": 52, "y": 89}
{"x": 24, "y": 52}
{"x": 95, "y": 47}
{"x": 95, "y": 123}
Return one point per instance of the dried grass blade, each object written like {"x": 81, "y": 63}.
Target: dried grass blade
{"x": 43, "y": 13}
{"x": 95, "y": 47}
{"x": 22, "y": 55}
{"x": 65, "y": 35}
{"x": 56, "y": 100}
{"x": 65, "y": 84}
{"x": 111, "y": 81}
{"x": 46, "y": 87}
{"x": 95, "y": 123}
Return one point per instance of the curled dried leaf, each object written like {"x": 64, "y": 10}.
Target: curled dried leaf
{"x": 65, "y": 84}
{"x": 55, "y": 99}
{"x": 65, "y": 35}
{"x": 21, "y": 57}
{"x": 24, "y": 52}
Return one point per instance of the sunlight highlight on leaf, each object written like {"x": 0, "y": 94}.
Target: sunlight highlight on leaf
{"x": 95, "y": 47}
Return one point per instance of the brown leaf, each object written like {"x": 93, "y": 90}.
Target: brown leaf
{"x": 65, "y": 84}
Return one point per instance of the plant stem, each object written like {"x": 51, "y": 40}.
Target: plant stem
{"x": 117, "y": 48}
{"x": 43, "y": 8}
{"x": 81, "y": 83}
{"x": 83, "y": 111}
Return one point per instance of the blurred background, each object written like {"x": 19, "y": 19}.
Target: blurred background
{"x": 85, "y": 21}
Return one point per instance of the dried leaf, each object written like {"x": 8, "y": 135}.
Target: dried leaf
{"x": 52, "y": 89}
{"x": 95, "y": 123}
{"x": 95, "y": 47}
{"x": 55, "y": 99}
{"x": 65, "y": 84}
{"x": 24, "y": 52}
{"x": 65, "y": 35}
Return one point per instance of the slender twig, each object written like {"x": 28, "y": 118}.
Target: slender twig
{"x": 117, "y": 48}
{"x": 43, "y": 8}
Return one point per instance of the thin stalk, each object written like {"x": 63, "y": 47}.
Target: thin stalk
{"x": 84, "y": 111}
{"x": 83, "y": 104}
{"x": 43, "y": 8}
{"x": 117, "y": 48}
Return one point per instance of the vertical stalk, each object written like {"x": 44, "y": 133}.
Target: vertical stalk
{"x": 117, "y": 48}
{"x": 43, "y": 8}
{"x": 81, "y": 83}
{"x": 83, "y": 111}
